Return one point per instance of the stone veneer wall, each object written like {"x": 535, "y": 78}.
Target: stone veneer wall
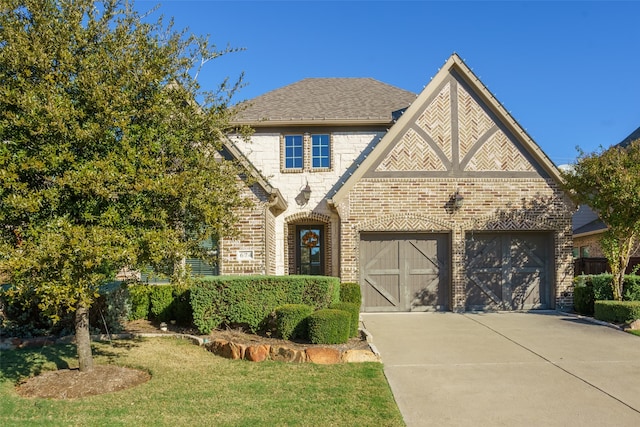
{"x": 264, "y": 152}
{"x": 422, "y": 205}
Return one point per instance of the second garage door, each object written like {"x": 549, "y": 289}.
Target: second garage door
{"x": 404, "y": 272}
{"x": 508, "y": 271}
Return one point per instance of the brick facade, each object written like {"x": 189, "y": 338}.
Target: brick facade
{"x": 420, "y": 205}
{"x": 252, "y": 250}
{"x": 454, "y": 138}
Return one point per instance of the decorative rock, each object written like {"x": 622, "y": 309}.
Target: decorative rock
{"x": 635, "y": 325}
{"x": 286, "y": 354}
{"x": 257, "y": 353}
{"x": 226, "y": 349}
{"x": 351, "y": 356}
{"x": 323, "y": 355}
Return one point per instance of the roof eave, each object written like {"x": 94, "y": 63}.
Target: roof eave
{"x": 314, "y": 122}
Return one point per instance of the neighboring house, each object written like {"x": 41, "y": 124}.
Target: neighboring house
{"x": 439, "y": 201}
{"x": 588, "y": 227}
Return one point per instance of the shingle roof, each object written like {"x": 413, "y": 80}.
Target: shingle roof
{"x": 634, "y": 135}
{"x": 327, "y": 100}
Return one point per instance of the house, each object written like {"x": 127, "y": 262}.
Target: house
{"x": 436, "y": 201}
{"x": 588, "y": 229}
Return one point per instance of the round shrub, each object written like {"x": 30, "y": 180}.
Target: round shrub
{"x": 354, "y": 313}
{"x": 350, "y": 292}
{"x": 291, "y": 320}
{"x": 329, "y": 326}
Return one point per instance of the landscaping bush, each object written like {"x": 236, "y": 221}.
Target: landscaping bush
{"x": 602, "y": 290}
{"x": 350, "y": 292}
{"x": 631, "y": 288}
{"x": 291, "y": 321}
{"x": 161, "y": 298}
{"x": 583, "y": 299}
{"x": 354, "y": 313}
{"x": 590, "y": 288}
{"x": 329, "y": 326}
{"x": 247, "y": 301}
{"x": 617, "y": 311}
{"x": 110, "y": 311}
{"x": 181, "y": 306}
{"x": 140, "y": 301}
{"x": 21, "y": 316}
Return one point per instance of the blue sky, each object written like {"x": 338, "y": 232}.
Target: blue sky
{"x": 569, "y": 72}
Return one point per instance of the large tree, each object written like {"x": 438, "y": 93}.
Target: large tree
{"x": 608, "y": 181}
{"x": 108, "y": 150}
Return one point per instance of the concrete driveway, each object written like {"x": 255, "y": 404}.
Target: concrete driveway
{"x": 508, "y": 369}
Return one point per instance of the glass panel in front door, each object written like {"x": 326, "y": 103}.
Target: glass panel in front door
{"x": 310, "y": 250}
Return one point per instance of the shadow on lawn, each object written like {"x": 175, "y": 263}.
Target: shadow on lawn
{"x": 16, "y": 365}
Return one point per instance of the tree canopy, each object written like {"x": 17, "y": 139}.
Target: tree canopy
{"x": 608, "y": 181}
{"x": 106, "y": 158}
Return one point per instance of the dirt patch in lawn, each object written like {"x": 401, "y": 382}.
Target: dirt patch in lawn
{"x": 72, "y": 384}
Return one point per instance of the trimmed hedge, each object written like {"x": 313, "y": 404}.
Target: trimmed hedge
{"x": 247, "y": 301}
{"x": 329, "y": 326}
{"x": 590, "y": 288}
{"x": 161, "y": 298}
{"x": 617, "y": 311}
{"x": 162, "y": 302}
{"x": 140, "y": 301}
{"x": 291, "y": 321}
{"x": 354, "y": 313}
{"x": 350, "y": 292}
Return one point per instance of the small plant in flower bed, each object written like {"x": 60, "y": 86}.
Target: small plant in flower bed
{"x": 291, "y": 321}
{"x": 329, "y": 326}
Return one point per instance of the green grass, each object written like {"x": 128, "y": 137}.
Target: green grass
{"x": 635, "y": 332}
{"x": 191, "y": 386}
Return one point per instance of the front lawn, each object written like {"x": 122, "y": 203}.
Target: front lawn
{"x": 190, "y": 386}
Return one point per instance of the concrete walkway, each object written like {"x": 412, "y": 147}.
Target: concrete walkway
{"x": 508, "y": 369}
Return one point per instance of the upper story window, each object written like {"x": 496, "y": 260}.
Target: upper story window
{"x": 320, "y": 151}
{"x": 307, "y": 152}
{"x": 293, "y": 152}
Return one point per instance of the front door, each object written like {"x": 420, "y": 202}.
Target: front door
{"x": 310, "y": 250}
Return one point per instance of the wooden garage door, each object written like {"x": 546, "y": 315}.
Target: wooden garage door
{"x": 508, "y": 271}
{"x": 404, "y": 272}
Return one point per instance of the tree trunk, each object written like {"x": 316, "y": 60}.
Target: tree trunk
{"x": 83, "y": 338}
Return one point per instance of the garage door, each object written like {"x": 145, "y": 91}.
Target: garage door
{"x": 508, "y": 271}
{"x": 404, "y": 272}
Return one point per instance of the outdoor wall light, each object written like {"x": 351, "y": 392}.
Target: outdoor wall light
{"x": 306, "y": 193}
{"x": 458, "y": 200}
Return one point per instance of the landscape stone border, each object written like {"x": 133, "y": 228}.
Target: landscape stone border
{"x": 226, "y": 349}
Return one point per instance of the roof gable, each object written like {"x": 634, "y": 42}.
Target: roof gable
{"x": 326, "y": 101}
{"x": 455, "y": 128}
